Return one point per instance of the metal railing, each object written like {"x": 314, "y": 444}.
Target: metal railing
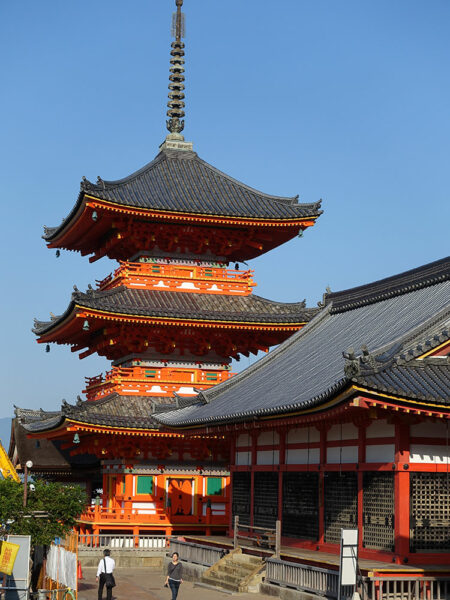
{"x": 406, "y": 588}
{"x": 99, "y": 541}
{"x": 306, "y": 578}
{"x": 196, "y": 553}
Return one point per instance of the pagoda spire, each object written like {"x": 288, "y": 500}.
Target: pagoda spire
{"x": 175, "y": 123}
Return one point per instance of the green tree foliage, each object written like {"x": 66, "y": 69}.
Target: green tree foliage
{"x": 51, "y": 511}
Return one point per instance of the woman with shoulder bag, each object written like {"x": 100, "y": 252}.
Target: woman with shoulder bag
{"x": 105, "y": 575}
{"x": 174, "y": 575}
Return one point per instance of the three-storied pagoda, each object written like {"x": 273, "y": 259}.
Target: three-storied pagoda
{"x": 170, "y": 318}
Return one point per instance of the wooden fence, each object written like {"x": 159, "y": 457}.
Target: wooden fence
{"x": 406, "y": 588}
{"x": 264, "y": 537}
{"x": 316, "y": 580}
{"x": 196, "y": 553}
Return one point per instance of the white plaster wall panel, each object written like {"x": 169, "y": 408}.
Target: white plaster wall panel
{"x": 143, "y": 505}
{"x": 423, "y": 453}
{"x": 428, "y": 429}
{"x": 299, "y": 456}
{"x": 188, "y": 285}
{"x": 380, "y": 453}
{"x": 300, "y": 435}
{"x": 244, "y": 440}
{"x": 346, "y": 431}
{"x": 268, "y": 438}
{"x": 349, "y": 455}
{"x": 217, "y": 508}
{"x": 243, "y": 458}
{"x": 186, "y": 390}
{"x": 379, "y": 429}
{"x": 144, "y": 508}
{"x": 267, "y": 457}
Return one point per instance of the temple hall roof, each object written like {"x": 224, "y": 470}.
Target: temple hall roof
{"x": 427, "y": 379}
{"x": 391, "y": 321}
{"x": 179, "y": 305}
{"x": 181, "y": 182}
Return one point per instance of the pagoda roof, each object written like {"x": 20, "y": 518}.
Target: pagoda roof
{"x": 394, "y": 321}
{"x": 182, "y": 305}
{"x": 178, "y": 181}
{"x": 48, "y": 457}
{"x": 125, "y": 412}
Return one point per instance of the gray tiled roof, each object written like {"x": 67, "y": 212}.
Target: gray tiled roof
{"x": 180, "y": 181}
{"x": 427, "y": 379}
{"x": 205, "y": 307}
{"x": 309, "y": 367}
{"x": 114, "y": 411}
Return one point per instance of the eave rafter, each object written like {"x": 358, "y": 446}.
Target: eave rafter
{"x": 112, "y": 334}
{"x": 354, "y": 404}
{"x": 107, "y": 229}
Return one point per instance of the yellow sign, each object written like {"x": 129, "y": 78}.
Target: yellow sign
{"x": 8, "y": 555}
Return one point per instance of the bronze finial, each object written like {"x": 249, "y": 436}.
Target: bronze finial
{"x": 175, "y": 123}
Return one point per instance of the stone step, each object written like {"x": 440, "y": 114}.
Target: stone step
{"x": 235, "y": 569}
{"x": 220, "y": 583}
{"x": 214, "y": 588}
{"x": 245, "y": 563}
{"x": 229, "y": 577}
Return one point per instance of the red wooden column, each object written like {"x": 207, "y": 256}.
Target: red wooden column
{"x": 323, "y": 461}
{"x": 128, "y": 492}
{"x": 281, "y": 462}
{"x": 401, "y": 490}
{"x": 230, "y": 486}
{"x": 361, "y": 460}
{"x": 252, "y": 474}
{"x": 105, "y": 494}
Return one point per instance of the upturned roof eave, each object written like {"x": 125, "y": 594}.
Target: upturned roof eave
{"x": 76, "y": 212}
{"x": 304, "y": 315}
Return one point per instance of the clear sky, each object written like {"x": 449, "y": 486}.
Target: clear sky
{"x": 346, "y": 101}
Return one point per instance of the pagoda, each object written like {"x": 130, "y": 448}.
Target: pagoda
{"x": 170, "y": 317}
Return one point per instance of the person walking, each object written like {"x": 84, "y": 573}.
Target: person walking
{"x": 174, "y": 575}
{"x": 105, "y": 575}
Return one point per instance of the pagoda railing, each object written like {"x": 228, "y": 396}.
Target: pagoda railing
{"x": 102, "y": 516}
{"x": 96, "y": 541}
{"x": 179, "y": 277}
{"x": 140, "y": 380}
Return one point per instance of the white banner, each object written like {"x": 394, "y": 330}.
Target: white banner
{"x": 62, "y": 566}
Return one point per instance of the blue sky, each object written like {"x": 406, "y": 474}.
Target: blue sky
{"x": 346, "y": 101}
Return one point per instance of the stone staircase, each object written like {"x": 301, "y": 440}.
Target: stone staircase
{"x": 235, "y": 572}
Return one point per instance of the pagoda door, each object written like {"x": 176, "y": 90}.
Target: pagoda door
{"x": 181, "y": 494}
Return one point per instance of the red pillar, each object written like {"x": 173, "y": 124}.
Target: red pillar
{"x": 281, "y": 461}
{"x": 401, "y": 490}
{"x": 323, "y": 461}
{"x": 230, "y": 487}
{"x": 252, "y": 475}
{"x": 361, "y": 459}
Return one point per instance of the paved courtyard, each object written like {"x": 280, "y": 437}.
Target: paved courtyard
{"x": 147, "y": 584}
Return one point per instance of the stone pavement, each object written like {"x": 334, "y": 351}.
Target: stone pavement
{"x": 147, "y": 584}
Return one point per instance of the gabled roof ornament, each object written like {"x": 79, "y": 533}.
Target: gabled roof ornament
{"x": 175, "y": 123}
